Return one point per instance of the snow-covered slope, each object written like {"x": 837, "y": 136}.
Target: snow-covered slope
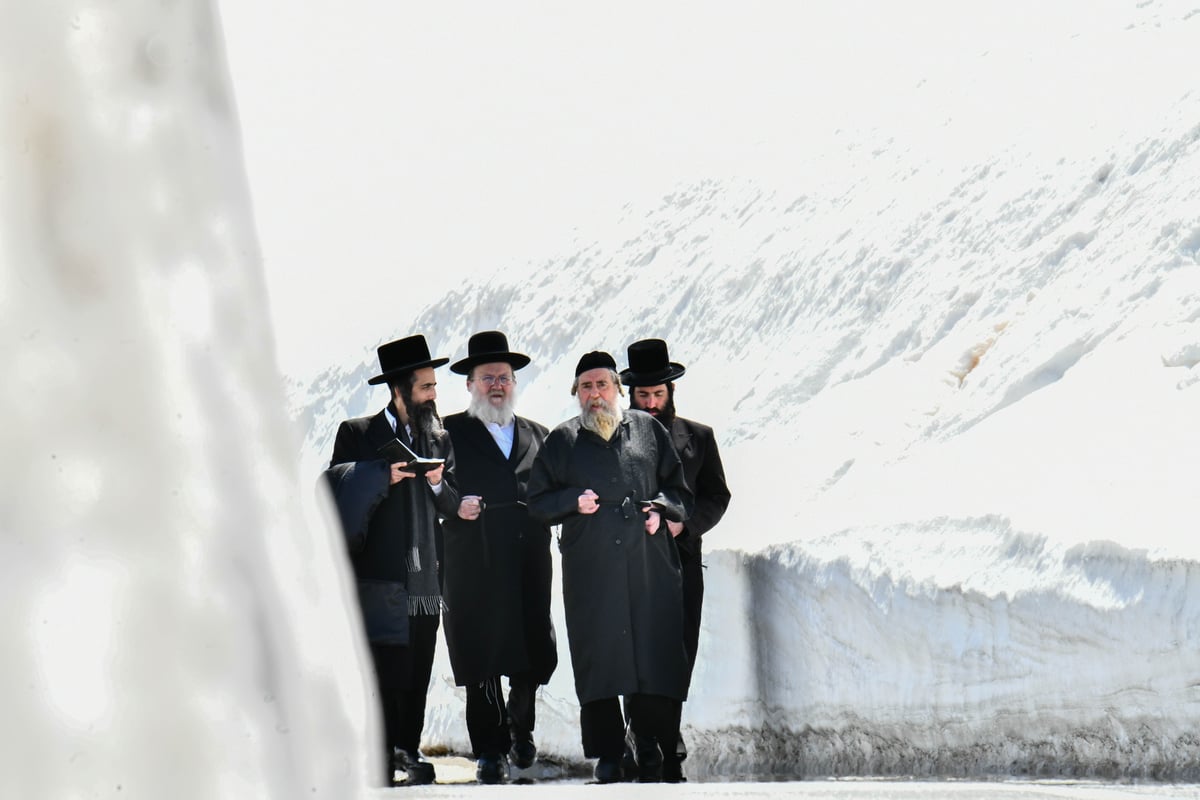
{"x": 958, "y": 416}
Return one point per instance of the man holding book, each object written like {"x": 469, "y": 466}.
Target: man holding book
{"x": 390, "y": 504}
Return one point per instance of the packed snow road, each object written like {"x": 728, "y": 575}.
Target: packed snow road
{"x": 456, "y": 778}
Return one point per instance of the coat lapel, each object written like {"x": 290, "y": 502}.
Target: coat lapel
{"x": 482, "y": 441}
{"x": 680, "y": 436}
{"x": 379, "y": 430}
{"x": 522, "y": 438}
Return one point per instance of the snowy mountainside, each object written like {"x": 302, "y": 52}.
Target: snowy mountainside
{"x": 995, "y": 289}
{"x": 959, "y": 426}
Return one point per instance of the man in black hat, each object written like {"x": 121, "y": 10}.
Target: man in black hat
{"x": 390, "y": 511}
{"x": 610, "y": 477}
{"x": 651, "y": 377}
{"x": 497, "y": 564}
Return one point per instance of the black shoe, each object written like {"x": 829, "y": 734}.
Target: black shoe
{"x": 491, "y": 769}
{"x": 417, "y": 770}
{"x": 672, "y": 771}
{"x": 649, "y": 760}
{"x": 523, "y": 752}
{"x": 628, "y": 762}
{"x": 608, "y": 770}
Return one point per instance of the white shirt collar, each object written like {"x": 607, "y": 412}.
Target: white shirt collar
{"x": 503, "y": 434}
{"x": 395, "y": 421}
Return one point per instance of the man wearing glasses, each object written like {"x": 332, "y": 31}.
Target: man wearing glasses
{"x": 497, "y": 565}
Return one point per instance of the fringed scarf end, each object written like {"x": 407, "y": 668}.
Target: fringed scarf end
{"x": 428, "y": 605}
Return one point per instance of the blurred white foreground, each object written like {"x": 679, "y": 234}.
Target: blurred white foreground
{"x": 171, "y": 627}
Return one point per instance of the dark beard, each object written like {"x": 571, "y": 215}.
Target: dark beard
{"x": 424, "y": 420}
{"x": 666, "y": 414}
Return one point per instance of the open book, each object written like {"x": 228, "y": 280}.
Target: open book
{"x": 397, "y": 451}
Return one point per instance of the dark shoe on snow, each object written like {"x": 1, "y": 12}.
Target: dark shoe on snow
{"x": 417, "y": 770}
{"x": 608, "y": 770}
{"x": 491, "y": 769}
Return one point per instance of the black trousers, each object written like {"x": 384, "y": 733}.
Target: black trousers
{"x": 491, "y": 722}
{"x": 651, "y": 716}
{"x": 693, "y": 600}
{"x": 402, "y": 677}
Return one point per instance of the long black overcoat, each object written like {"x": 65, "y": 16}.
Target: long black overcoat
{"x": 379, "y": 558}
{"x": 697, "y": 448}
{"x": 621, "y": 586}
{"x": 497, "y": 568}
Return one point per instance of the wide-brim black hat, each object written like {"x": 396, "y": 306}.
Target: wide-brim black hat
{"x": 488, "y": 347}
{"x": 404, "y": 355}
{"x": 650, "y": 365}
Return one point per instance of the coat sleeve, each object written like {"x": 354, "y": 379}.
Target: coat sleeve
{"x": 673, "y": 496}
{"x": 447, "y": 500}
{"x": 548, "y": 498}
{"x": 358, "y": 488}
{"x": 711, "y": 490}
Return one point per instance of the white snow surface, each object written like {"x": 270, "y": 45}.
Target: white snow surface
{"x": 952, "y": 361}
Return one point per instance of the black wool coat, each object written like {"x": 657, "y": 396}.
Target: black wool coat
{"x": 380, "y": 558}
{"x": 697, "y": 449}
{"x": 621, "y": 586}
{"x": 497, "y": 568}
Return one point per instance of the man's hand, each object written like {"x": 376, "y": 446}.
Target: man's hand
{"x": 674, "y": 527}
{"x": 653, "y": 520}
{"x": 588, "y": 502}
{"x": 398, "y": 473}
{"x": 434, "y": 476}
{"x": 470, "y": 507}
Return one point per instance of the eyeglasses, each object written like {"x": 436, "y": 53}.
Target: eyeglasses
{"x": 503, "y": 380}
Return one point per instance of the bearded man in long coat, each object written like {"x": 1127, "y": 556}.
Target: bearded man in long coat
{"x": 497, "y": 563}
{"x": 611, "y": 478}
{"x": 651, "y": 380}
{"x": 390, "y": 511}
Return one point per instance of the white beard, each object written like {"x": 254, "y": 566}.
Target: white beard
{"x": 482, "y": 409}
{"x": 602, "y": 421}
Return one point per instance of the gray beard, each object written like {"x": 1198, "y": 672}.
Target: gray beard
{"x": 603, "y": 421}
{"x": 481, "y": 409}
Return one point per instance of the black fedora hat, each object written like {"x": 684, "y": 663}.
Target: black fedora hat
{"x": 649, "y": 364}
{"x": 488, "y": 347}
{"x": 404, "y": 355}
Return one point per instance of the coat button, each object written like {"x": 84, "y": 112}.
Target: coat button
{"x": 618, "y": 541}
